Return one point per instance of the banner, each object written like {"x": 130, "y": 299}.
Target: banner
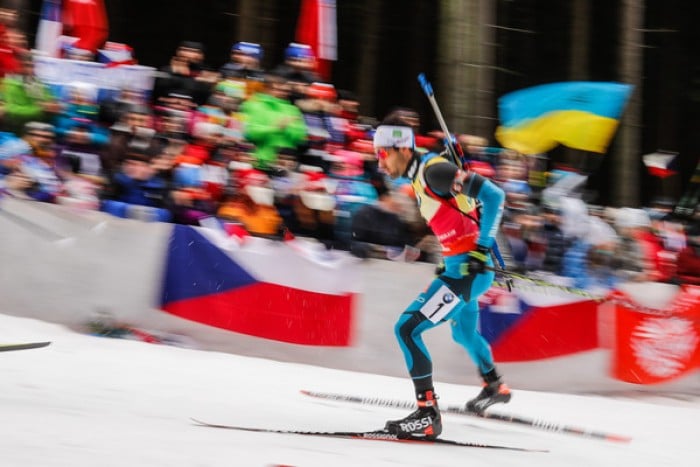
{"x": 657, "y": 347}
{"x": 74, "y": 266}
{"x": 204, "y": 283}
{"x": 535, "y": 324}
{"x": 60, "y": 72}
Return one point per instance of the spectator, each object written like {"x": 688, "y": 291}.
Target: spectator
{"x": 175, "y": 105}
{"x": 134, "y": 132}
{"x": 253, "y": 205}
{"x": 79, "y": 164}
{"x": 314, "y": 209}
{"x": 9, "y": 48}
{"x": 34, "y": 173}
{"x": 137, "y": 191}
{"x": 245, "y": 63}
{"x": 272, "y": 123}
{"x": 82, "y": 110}
{"x": 205, "y": 139}
{"x": 688, "y": 271}
{"x": 299, "y": 69}
{"x": 641, "y": 257}
{"x": 351, "y": 193}
{"x": 318, "y": 107}
{"x": 589, "y": 262}
{"x": 191, "y": 201}
{"x": 556, "y": 243}
{"x": 26, "y": 98}
{"x": 185, "y": 74}
{"x": 113, "y": 106}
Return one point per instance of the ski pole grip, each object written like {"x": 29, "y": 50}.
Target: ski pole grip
{"x": 425, "y": 84}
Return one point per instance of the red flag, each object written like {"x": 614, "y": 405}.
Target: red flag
{"x": 86, "y": 20}
{"x": 317, "y": 28}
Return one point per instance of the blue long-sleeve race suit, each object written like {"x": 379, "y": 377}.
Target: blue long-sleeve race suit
{"x": 447, "y": 199}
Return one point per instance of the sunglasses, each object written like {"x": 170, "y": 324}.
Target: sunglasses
{"x": 382, "y": 154}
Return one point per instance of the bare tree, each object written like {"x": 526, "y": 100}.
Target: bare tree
{"x": 257, "y": 23}
{"x": 367, "y": 69}
{"x": 580, "y": 38}
{"x": 627, "y": 160}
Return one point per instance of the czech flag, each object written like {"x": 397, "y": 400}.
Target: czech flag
{"x": 660, "y": 164}
{"x": 534, "y": 324}
{"x": 317, "y": 28}
{"x": 578, "y": 114}
{"x": 278, "y": 295}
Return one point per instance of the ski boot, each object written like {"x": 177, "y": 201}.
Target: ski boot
{"x": 424, "y": 423}
{"x": 493, "y": 392}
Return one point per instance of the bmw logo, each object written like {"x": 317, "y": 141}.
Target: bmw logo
{"x": 448, "y": 297}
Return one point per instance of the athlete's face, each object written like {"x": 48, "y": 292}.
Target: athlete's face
{"x": 391, "y": 161}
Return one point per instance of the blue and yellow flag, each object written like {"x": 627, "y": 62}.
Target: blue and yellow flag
{"x": 578, "y": 114}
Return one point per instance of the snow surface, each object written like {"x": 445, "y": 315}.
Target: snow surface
{"x": 88, "y": 401}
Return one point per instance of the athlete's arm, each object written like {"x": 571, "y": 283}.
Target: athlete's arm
{"x": 444, "y": 178}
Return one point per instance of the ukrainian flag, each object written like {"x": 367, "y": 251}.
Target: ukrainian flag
{"x": 579, "y": 114}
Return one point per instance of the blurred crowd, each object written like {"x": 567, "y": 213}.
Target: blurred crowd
{"x": 282, "y": 152}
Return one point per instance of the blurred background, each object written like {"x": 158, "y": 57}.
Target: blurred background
{"x": 474, "y": 51}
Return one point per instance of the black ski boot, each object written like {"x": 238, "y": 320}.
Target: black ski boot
{"x": 425, "y": 422}
{"x": 493, "y": 392}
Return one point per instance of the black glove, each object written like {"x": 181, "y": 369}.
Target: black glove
{"x": 440, "y": 268}
{"x": 509, "y": 284}
{"x": 476, "y": 263}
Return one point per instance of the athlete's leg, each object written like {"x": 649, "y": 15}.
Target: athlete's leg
{"x": 464, "y": 320}
{"x": 427, "y": 311}
{"x": 464, "y": 332}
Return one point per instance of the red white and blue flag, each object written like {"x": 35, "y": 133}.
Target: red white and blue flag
{"x": 81, "y": 23}
{"x": 50, "y": 28}
{"x": 275, "y": 293}
{"x": 532, "y": 325}
{"x": 317, "y": 27}
{"x": 660, "y": 164}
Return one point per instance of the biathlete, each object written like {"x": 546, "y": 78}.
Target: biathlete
{"x": 447, "y": 198}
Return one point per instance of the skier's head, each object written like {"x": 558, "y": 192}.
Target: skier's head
{"x": 393, "y": 146}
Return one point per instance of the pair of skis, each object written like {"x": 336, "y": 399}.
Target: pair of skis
{"x": 375, "y": 435}
{"x": 382, "y": 435}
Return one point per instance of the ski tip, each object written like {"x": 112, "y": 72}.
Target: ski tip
{"x": 618, "y": 438}
{"x": 23, "y": 346}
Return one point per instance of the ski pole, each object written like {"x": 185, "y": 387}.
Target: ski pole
{"x": 546, "y": 284}
{"x": 454, "y": 149}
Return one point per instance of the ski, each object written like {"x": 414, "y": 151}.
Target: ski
{"x": 23, "y": 346}
{"x": 460, "y": 410}
{"x": 375, "y": 435}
